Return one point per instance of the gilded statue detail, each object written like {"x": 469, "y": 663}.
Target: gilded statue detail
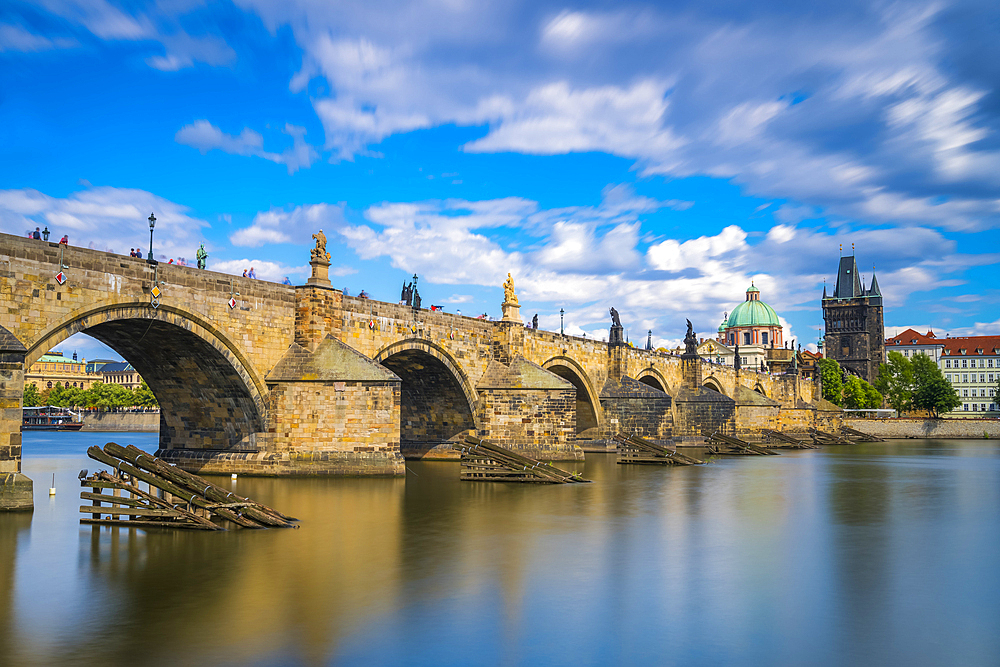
{"x": 508, "y": 291}
{"x": 319, "y": 252}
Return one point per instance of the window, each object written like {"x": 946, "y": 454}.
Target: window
{"x": 50, "y": 384}
{"x": 746, "y": 337}
{"x": 965, "y": 406}
{"x": 965, "y": 363}
{"x": 989, "y": 363}
{"x": 982, "y": 377}
{"x": 947, "y": 363}
{"x": 991, "y": 392}
{"x": 763, "y": 337}
{"x": 744, "y": 360}
{"x": 982, "y": 407}
{"x": 982, "y": 363}
{"x": 991, "y": 377}
{"x": 947, "y": 376}
{"x": 906, "y": 353}
{"x": 965, "y": 393}
{"x": 965, "y": 378}
{"x": 975, "y": 407}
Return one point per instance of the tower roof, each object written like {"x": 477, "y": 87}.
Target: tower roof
{"x": 848, "y": 280}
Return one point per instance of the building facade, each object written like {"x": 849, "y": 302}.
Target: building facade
{"x": 122, "y": 373}
{"x": 855, "y": 334}
{"x": 910, "y": 343}
{"x": 55, "y": 368}
{"x": 972, "y": 365}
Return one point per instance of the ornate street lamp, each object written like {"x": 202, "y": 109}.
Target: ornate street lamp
{"x": 45, "y": 233}
{"x": 562, "y": 329}
{"x": 152, "y": 223}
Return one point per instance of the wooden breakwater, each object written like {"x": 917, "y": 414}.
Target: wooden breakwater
{"x": 484, "y": 461}
{"x": 173, "y": 498}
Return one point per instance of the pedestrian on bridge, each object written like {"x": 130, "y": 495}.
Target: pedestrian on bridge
{"x": 37, "y": 234}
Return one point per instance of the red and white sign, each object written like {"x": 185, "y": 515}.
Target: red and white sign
{"x": 232, "y": 302}
{"x": 60, "y": 277}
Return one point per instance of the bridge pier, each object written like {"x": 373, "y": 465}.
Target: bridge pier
{"x": 15, "y": 487}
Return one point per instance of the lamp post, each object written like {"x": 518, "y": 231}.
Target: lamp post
{"x": 45, "y": 233}
{"x": 152, "y": 223}
{"x": 562, "y": 329}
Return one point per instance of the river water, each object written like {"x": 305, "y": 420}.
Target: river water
{"x": 872, "y": 554}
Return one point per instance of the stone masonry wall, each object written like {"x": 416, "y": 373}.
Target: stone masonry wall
{"x": 535, "y": 422}
{"x": 972, "y": 429}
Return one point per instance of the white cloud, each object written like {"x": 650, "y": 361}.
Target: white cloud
{"x": 204, "y": 136}
{"x": 16, "y": 38}
{"x": 104, "y": 218}
{"x": 294, "y": 226}
{"x": 274, "y": 272}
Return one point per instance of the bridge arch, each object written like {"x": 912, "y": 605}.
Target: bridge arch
{"x": 654, "y": 378}
{"x": 210, "y": 395}
{"x": 588, "y": 404}
{"x": 711, "y": 382}
{"x": 438, "y": 401}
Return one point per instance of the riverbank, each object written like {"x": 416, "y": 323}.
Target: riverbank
{"x": 948, "y": 429}
{"x": 121, "y": 421}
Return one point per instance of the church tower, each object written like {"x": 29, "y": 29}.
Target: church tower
{"x": 855, "y": 334}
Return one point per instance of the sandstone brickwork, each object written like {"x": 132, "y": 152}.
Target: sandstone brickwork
{"x": 210, "y": 366}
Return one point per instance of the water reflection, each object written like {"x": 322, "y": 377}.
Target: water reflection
{"x": 875, "y": 554}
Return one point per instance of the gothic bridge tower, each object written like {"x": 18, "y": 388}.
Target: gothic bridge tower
{"x": 855, "y": 335}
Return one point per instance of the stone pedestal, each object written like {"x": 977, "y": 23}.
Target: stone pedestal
{"x": 511, "y": 312}
{"x": 320, "y": 272}
{"x": 15, "y": 488}
{"x": 617, "y": 335}
{"x": 691, "y": 371}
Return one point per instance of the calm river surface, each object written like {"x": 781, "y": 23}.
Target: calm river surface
{"x": 876, "y": 554}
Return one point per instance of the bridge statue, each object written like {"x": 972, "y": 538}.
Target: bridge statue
{"x": 202, "y": 256}
{"x": 615, "y": 321}
{"x": 319, "y": 252}
{"x": 690, "y": 341}
{"x": 508, "y": 291}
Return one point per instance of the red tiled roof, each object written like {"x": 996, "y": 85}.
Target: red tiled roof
{"x": 972, "y": 345}
{"x": 911, "y": 337}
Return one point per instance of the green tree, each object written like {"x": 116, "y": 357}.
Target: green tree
{"x": 860, "y": 395}
{"x": 931, "y": 391}
{"x": 108, "y": 396}
{"x": 32, "y": 397}
{"x": 832, "y": 378}
{"x": 143, "y": 396}
{"x": 895, "y": 382}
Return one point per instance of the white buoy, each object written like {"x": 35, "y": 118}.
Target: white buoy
{"x": 234, "y": 477}
{"x": 52, "y": 489}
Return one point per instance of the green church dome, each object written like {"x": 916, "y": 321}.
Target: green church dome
{"x": 753, "y": 312}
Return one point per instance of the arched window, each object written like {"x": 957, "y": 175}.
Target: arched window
{"x": 746, "y": 337}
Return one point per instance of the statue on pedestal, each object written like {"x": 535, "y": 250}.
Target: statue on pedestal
{"x": 319, "y": 252}
{"x": 615, "y": 321}
{"x": 202, "y": 255}
{"x": 690, "y": 341}
{"x": 508, "y": 291}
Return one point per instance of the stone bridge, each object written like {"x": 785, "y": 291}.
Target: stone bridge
{"x": 260, "y": 378}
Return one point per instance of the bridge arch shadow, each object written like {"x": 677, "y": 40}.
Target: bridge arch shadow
{"x": 588, "y": 405}
{"x": 437, "y": 401}
{"x": 713, "y": 384}
{"x": 210, "y": 397}
{"x": 759, "y": 388}
{"x": 654, "y": 379}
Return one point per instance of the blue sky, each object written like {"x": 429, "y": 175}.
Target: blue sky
{"x": 651, "y": 157}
